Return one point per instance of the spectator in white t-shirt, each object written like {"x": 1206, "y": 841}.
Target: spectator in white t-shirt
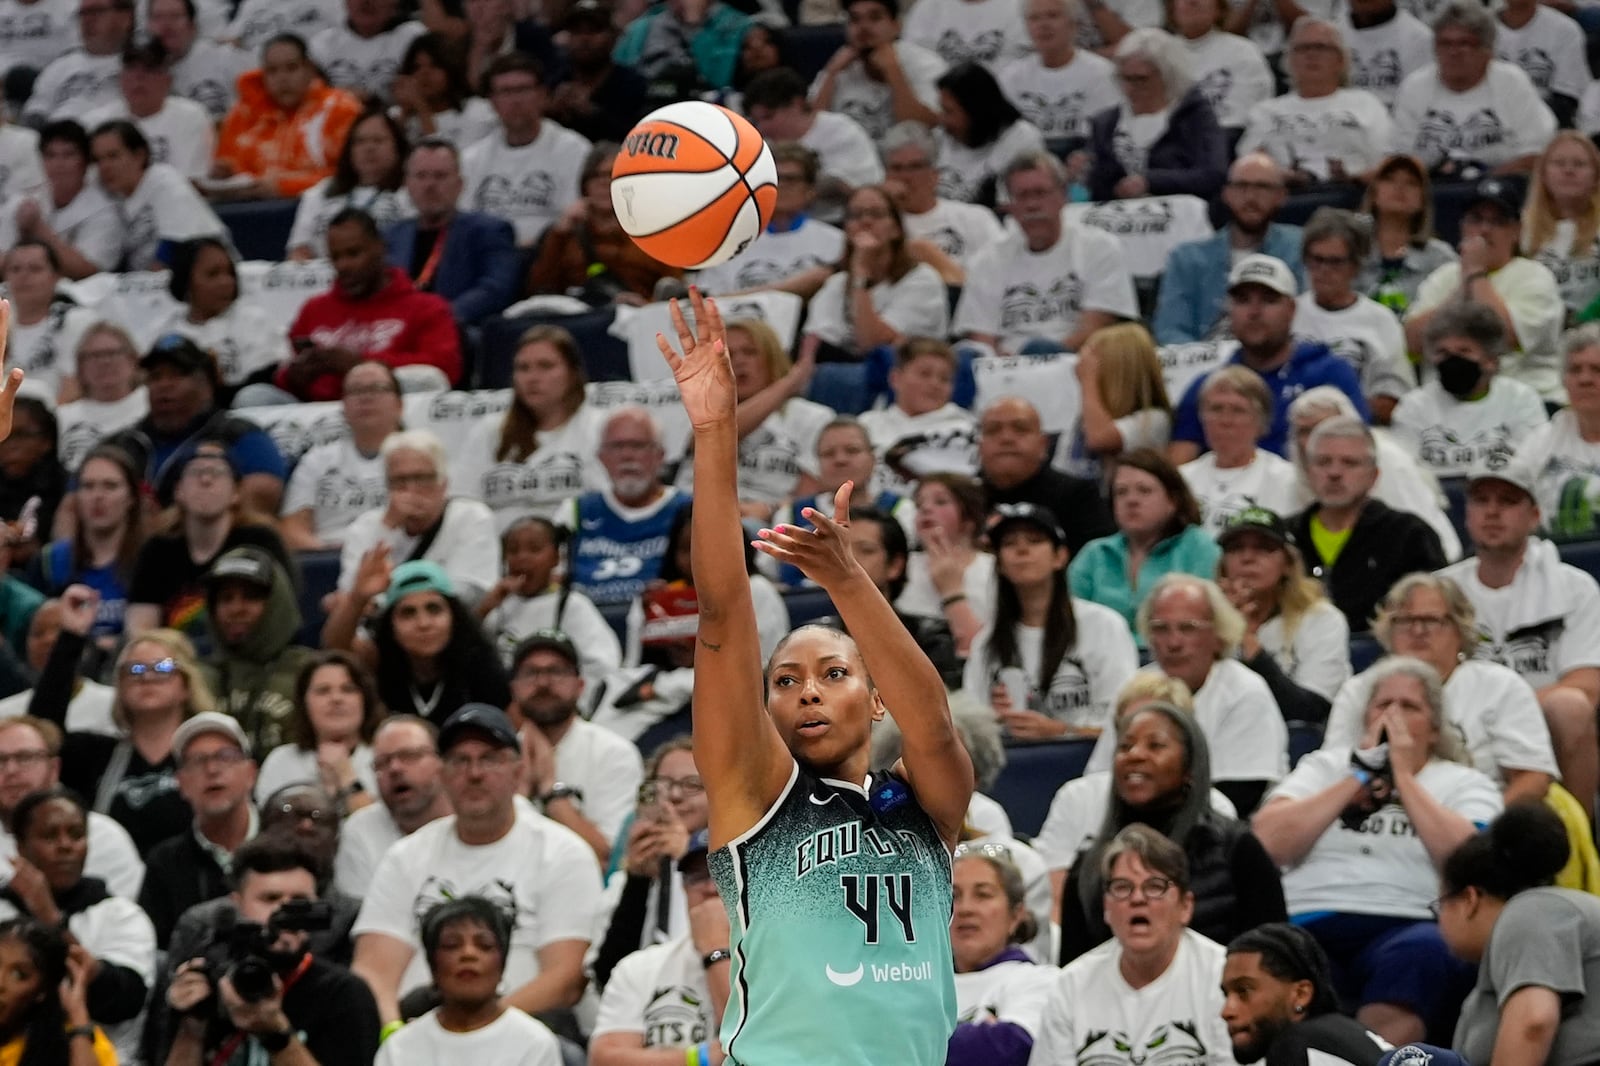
{"x": 1125, "y": 404}
{"x": 247, "y": 343}
{"x": 775, "y": 101}
{"x": 951, "y": 577}
{"x": 1386, "y": 42}
{"x": 405, "y": 758}
{"x": 979, "y": 133}
{"x": 330, "y": 728}
{"x": 158, "y": 206}
{"x": 1049, "y": 285}
{"x": 1561, "y": 216}
{"x": 542, "y": 872}
{"x": 79, "y": 81}
{"x": 877, "y": 78}
{"x": 798, "y": 251}
{"x": 1549, "y": 47}
{"x": 1491, "y": 273}
{"x": 34, "y": 32}
{"x": 1564, "y": 454}
{"x": 467, "y": 942}
{"x": 113, "y": 399}
{"x": 1234, "y": 475}
{"x": 335, "y": 483}
{"x": 1156, "y": 982}
{"x": 526, "y": 172}
{"x": 45, "y": 328}
{"x": 1359, "y": 831}
{"x": 969, "y": 31}
{"x": 255, "y": 22}
{"x": 921, "y": 432}
{"x": 1469, "y": 411}
{"x": 1060, "y": 86}
{"x": 948, "y": 234}
{"x": 879, "y": 295}
{"x": 69, "y": 212}
{"x": 1357, "y": 328}
{"x": 362, "y": 53}
{"x": 371, "y": 171}
{"x": 1229, "y": 69}
{"x": 203, "y": 70}
{"x": 1467, "y": 110}
{"x": 180, "y": 131}
{"x": 1320, "y": 131}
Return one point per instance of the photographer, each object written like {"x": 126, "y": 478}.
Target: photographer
{"x": 314, "y": 1012}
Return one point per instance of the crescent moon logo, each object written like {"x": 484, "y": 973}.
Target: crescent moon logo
{"x": 845, "y": 980}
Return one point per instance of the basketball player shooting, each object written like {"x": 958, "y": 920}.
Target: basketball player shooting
{"x": 836, "y": 879}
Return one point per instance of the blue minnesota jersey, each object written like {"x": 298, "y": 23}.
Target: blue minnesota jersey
{"x": 839, "y": 902}
{"x": 614, "y": 556}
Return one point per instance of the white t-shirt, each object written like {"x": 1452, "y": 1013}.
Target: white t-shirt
{"x": 1543, "y": 625}
{"x": 1240, "y": 719}
{"x": 921, "y": 599}
{"x": 1549, "y": 49}
{"x": 1382, "y": 56}
{"x": 34, "y": 34}
{"x": 1492, "y": 710}
{"x": 164, "y": 207}
{"x": 112, "y": 856}
{"x": 74, "y": 84}
{"x": 870, "y": 103}
{"x": 964, "y": 171}
{"x": 528, "y": 186}
{"x": 1500, "y": 119}
{"x": 1094, "y": 1015}
{"x": 1318, "y": 658}
{"x": 1083, "y": 690}
{"x": 938, "y": 441}
{"x": 1308, "y": 133}
{"x": 364, "y": 838}
{"x": 1381, "y": 867}
{"x": 1576, "y": 270}
{"x": 318, "y": 206}
{"x": 363, "y": 65}
{"x": 209, "y": 74}
{"x": 1267, "y": 480}
{"x": 1012, "y": 991}
{"x": 1078, "y": 813}
{"x": 542, "y": 869}
{"x": 466, "y": 546}
{"x": 959, "y": 230}
{"x": 290, "y": 764}
{"x": 1060, "y": 101}
{"x": 777, "y": 255}
{"x": 1150, "y": 428}
{"x": 89, "y": 711}
{"x": 1450, "y": 435}
{"x": 844, "y": 150}
{"x": 1268, "y": 31}
{"x": 1567, "y": 469}
{"x": 518, "y": 617}
{"x": 82, "y": 424}
{"x": 1533, "y": 300}
{"x": 1136, "y": 13}
{"x": 462, "y": 127}
{"x": 1018, "y": 294}
{"x": 1231, "y": 74}
{"x": 88, "y": 222}
{"x": 258, "y": 21}
{"x": 1366, "y": 335}
{"x": 48, "y": 349}
{"x": 513, "y": 1039}
{"x": 660, "y": 993}
{"x": 990, "y": 32}
{"x": 182, "y": 133}
{"x": 915, "y": 306}
{"x": 21, "y": 169}
{"x": 774, "y": 455}
{"x": 244, "y": 339}
{"x": 605, "y": 768}
{"x": 337, "y": 484}
{"x": 565, "y": 464}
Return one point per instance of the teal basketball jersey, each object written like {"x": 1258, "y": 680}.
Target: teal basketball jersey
{"x": 839, "y": 904}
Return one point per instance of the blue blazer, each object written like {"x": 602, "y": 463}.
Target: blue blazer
{"x": 1194, "y": 287}
{"x": 479, "y": 269}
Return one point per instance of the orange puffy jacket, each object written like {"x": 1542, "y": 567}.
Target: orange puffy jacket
{"x": 290, "y": 152}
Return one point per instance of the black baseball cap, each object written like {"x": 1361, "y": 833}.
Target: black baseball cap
{"x": 481, "y": 719}
{"x": 1007, "y": 515}
{"x": 1256, "y": 520}
{"x": 590, "y": 14}
{"x": 179, "y": 351}
{"x": 1500, "y": 193}
{"x": 249, "y": 564}
{"x": 698, "y": 851}
{"x": 545, "y": 640}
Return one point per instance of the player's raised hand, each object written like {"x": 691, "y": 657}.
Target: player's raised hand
{"x": 703, "y": 372}
{"x": 13, "y": 380}
{"x": 823, "y": 553}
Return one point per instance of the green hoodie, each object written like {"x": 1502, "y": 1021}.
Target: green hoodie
{"x": 253, "y": 679}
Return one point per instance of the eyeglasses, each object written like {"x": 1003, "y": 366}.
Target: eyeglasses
{"x": 300, "y": 812}
{"x": 1327, "y": 262}
{"x": 401, "y": 757}
{"x": 201, "y": 469}
{"x": 1187, "y": 628}
{"x": 683, "y": 786}
{"x": 1151, "y": 888}
{"x": 461, "y": 763}
{"x": 159, "y": 668}
{"x": 1426, "y": 624}
{"x": 544, "y": 673}
{"x": 22, "y": 759}
{"x": 224, "y": 758}
{"x": 1437, "y": 905}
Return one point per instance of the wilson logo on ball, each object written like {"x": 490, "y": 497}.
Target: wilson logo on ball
{"x": 658, "y": 145}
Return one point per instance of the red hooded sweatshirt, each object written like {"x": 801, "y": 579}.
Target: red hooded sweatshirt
{"x": 396, "y": 325}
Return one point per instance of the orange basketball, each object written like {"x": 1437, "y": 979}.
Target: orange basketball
{"x": 694, "y": 184}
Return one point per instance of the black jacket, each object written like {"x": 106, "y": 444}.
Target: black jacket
{"x": 1384, "y": 547}
{"x": 1191, "y": 156}
{"x": 178, "y": 873}
{"x": 1075, "y": 501}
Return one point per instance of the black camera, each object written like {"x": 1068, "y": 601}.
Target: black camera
{"x": 242, "y": 951}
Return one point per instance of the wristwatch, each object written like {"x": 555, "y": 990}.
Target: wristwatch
{"x": 560, "y": 790}
{"x": 81, "y": 1030}
{"x": 719, "y": 955}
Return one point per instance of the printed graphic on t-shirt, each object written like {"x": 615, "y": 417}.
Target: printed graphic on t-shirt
{"x": 558, "y": 477}
{"x": 25, "y": 30}
{"x": 986, "y": 47}
{"x": 142, "y": 234}
{"x": 1027, "y": 304}
{"x": 84, "y": 85}
{"x": 498, "y": 195}
{"x": 1176, "y": 1043}
{"x": 500, "y": 892}
{"x": 673, "y": 1017}
{"x": 1526, "y": 650}
{"x": 338, "y": 492}
{"x": 1216, "y": 86}
{"x": 1442, "y": 447}
{"x": 1127, "y": 151}
{"x": 1377, "y": 71}
{"x": 1442, "y": 136}
{"x": 1127, "y": 218}
{"x": 209, "y": 93}
{"x": 1537, "y": 64}
{"x": 1055, "y": 116}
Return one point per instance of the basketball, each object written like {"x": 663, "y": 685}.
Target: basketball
{"x": 694, "y": 184}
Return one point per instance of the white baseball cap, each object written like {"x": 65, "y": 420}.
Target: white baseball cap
{"x": 1267, "y": 271}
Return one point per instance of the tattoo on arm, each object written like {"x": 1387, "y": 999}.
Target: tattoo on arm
{"x": 704, "y": 643}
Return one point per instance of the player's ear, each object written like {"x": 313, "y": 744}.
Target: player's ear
{"x": 878, "y": 709}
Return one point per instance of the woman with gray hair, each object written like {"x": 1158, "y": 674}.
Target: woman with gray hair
{"x": 1360, "y": 832}
{"x": 1164, "y": 138}
{"x": 1161, "y": 777}
{"x": 1564, "y": 454}
{"x": 1467, "y": 411}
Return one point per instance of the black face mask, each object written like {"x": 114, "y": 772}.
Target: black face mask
{"x": 1459, "y": 375}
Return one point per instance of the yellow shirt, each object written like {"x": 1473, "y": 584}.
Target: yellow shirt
{"x": 1327, "y": 543}
{"x": 104, "y": 1053}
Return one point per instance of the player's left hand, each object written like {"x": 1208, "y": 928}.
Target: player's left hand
{"x": 822, "y": 554}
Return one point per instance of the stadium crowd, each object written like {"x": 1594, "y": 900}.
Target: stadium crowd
{"x": 1219, "y": 385}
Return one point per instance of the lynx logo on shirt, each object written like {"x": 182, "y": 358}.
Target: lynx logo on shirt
{"x": 764, "y": 454}
{"x": 436, "y": 890}
{"x": 76, "y": 440}
{"x": 1174, "y": 1043}
{"x": 1127, "y": 152}
{"x": 532, "y": 193}
{"x": 85, "y": 84}
{"x": 674, "y": 1017}
{"x": 1538, "y": 65}
{"x": 984, "y": 48}
{"x": 1025, "y": 305}
{"x": 29, "y": 27}
{"x": 1216, "y": 86}
{"x": 1441, "y": 136}
{"x": 210, "y": 94}
{"x": 340, "y": 493}
{"x": 141, "y": 235}
{"x": 1127, "y": 218}
{"x": 559, "y": 477}
{"x": 872, "y": 112}
{"x": 1353, "y": 350}
{"x": 1441, "y": 447}
{"x": 758, "y": 273}
{"x": 1377, "y": 71}
{"x": 1058, "y": 116}
{"x": 1526, "y": 650}
{"x": 294, "y": 437}
{"x": 353, "y": 75}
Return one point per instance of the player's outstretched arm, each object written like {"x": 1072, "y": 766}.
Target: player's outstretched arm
{"x": 934, "y": 760}
{"x": 737, "y": 749}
